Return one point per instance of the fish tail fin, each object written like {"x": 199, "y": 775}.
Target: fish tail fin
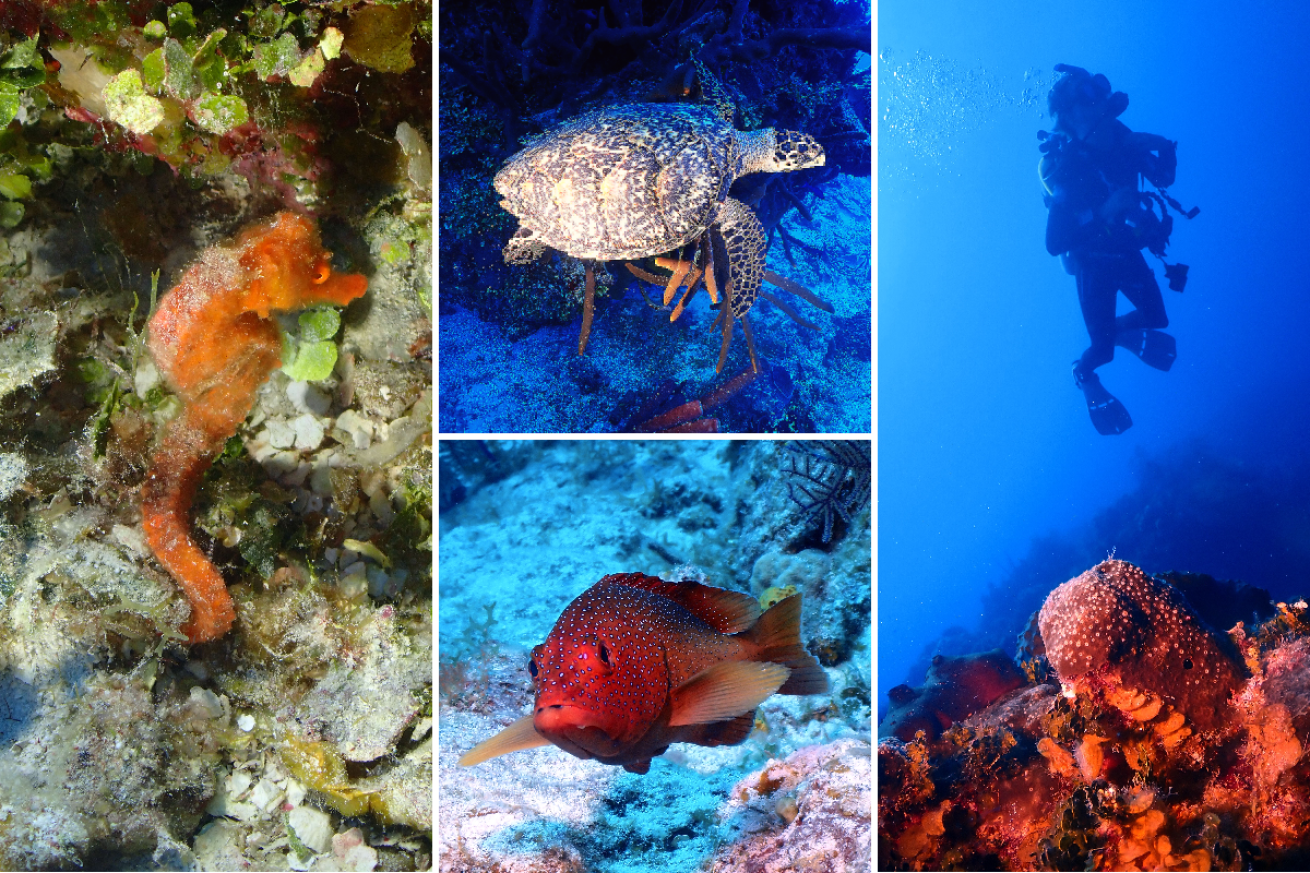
{"x": 777, "y": 638}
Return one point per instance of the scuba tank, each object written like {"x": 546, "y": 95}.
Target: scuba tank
{"x": 1140, "y": 227}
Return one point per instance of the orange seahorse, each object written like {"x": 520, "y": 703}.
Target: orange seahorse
{"x": 214, "y": 342}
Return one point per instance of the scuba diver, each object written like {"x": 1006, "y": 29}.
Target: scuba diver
{"x": 1099, "y": 222}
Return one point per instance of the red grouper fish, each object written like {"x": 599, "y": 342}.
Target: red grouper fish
{"x": 637, "y": 663}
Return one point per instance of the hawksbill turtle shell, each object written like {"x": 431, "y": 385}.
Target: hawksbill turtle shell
{"x": 648, "y": 179}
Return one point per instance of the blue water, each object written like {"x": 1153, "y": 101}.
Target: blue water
{"x": 987, "y": 459}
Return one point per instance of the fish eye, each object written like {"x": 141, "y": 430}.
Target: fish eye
{"x": 321, "y": 273}
{"x": 532, "y": 667}
{"x": 604, "y": 655}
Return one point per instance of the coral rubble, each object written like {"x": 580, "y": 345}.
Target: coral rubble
{"x": 1156, "y": 745}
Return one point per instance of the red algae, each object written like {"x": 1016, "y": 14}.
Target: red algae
{"x": 214, "y": 342}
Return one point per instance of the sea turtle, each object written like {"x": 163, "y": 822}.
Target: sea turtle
{"x": 640, "y": 180}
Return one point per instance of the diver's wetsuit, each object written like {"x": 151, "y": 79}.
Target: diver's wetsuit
{"x": 1106, "y": 257}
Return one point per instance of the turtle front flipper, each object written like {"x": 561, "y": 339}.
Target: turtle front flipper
{"x": 744, "y": 244}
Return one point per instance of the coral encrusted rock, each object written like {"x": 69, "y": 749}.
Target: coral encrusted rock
{"x": 955, "y": 688}
{"x": 1135, "y": 640}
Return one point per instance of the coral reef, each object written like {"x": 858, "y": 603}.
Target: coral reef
{"x": 707, "y": 511}
{"x": 1124, "y": 760}
{"x": 136, "y": 137}
{"x": 807, "y": 811}
{"x": 1196, "y": 507}
{"x": 954, "y": 689}
{"x": 510, "y": 71}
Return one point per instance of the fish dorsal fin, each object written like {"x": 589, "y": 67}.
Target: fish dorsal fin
{"x": 520, "y": 735}
{"x": 725, "y": 691}
{"x": 728, "y": 612}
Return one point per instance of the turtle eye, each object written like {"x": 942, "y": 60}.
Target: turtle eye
{"x": 604, "y": 655}
{"x": 532, "y": 667}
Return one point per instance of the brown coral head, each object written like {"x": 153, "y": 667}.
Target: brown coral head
{"x": 1116, "y": 627}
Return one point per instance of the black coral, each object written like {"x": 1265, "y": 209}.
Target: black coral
{"x": 830, "y": 477}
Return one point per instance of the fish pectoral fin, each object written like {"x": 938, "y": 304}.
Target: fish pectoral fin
{"x": 720, "y": 733}
{"x": 520, "y": 735}
{"x": 725, "y": 691}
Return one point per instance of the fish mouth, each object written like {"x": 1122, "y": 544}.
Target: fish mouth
{"x": 574, "y": 729}
{"x": 563, "y": 716}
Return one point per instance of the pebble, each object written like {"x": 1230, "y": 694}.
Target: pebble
{"x": 321, "y": 479}
{"x": 13, "y": 473}
{"x": 312, "y": 827}
{"x": 357, "y": 428}
{"x": 377, "y": 582}
{"x": 352, "y": 853}
{"x": 279, "y": 434}
{"x": 266, "y": 795}
{"x": 145, "y": 378}
{"x": 295, "y": 792}
{"x": 308, "y": 398}
{"x": 130, "y": 538}
{"x": 239, "y": 783}
{"x": 207, "y": 701}
{"x": 309, "y": 432}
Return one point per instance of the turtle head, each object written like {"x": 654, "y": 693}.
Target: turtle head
{"x": 796, "y": 151}
{"x": 778, "y": 151}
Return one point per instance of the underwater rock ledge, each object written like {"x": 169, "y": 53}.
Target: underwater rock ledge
{"x": 1142, "y": 739}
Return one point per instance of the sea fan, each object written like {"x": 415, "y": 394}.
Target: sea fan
{"x": 830, "y": 477}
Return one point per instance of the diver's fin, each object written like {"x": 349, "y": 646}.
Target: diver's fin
{"x": 725, "y": 691}
{"x": 520, "y": 735}
{"x": 1155, "y": 347}
{"x": 1109, "y": 416}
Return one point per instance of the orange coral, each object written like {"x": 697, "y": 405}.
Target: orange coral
{"x": 214, "y": 343}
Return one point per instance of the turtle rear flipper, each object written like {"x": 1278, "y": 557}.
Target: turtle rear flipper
{"x": 523, "y": 248}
